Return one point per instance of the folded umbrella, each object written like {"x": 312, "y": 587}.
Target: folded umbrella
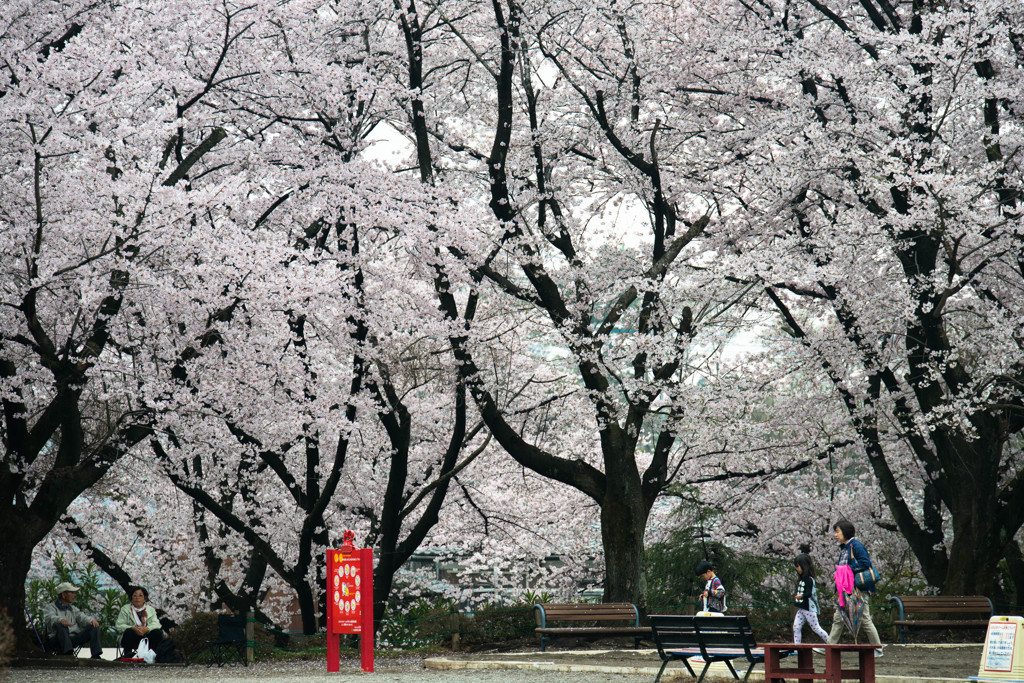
{"x": 850, "y": 608}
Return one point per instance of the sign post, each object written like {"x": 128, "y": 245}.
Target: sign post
{"x": 349, "y": 601}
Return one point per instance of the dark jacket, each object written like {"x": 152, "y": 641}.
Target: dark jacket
{"x": 807, "y": 587}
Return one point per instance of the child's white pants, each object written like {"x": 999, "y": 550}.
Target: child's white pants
{"x": 806, "y": 615}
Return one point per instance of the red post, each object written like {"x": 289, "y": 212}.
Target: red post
{"x": 366, "y": 635}
{"x": 333, "y": 653}
{"x": 333, "y": 641}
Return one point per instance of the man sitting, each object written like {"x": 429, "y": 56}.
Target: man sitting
{"x": 67, "y": 627}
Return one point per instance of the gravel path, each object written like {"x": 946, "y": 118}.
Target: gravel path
{"x": 308, "y": 672}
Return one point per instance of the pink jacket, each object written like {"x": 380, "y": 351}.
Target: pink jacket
{"x": 844, "y": 582}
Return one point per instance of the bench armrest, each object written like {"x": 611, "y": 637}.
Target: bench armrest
{"x": 539, "y": 617}
{"x": 897, "y": 603}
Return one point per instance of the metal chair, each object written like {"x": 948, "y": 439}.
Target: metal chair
{"x": 229, "y": 648}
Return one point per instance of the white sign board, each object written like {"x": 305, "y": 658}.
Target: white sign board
{"x": 999, "y": 647}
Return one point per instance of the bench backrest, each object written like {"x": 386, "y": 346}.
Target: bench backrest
{"x": 231, "y": 628}
{"x": 947, "y": 604}
{"x": 731, "y": 631}
{"x": 672, "y": 632}
{"x": 609, "y": 611}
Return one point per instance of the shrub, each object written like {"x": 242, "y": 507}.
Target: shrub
{"x": 748, "y": 577}
{"x": 426, "y": 621}
{"x": 193, "y": 633}
{"x": 433, "y": 621}
{"x": 496, "y": 623}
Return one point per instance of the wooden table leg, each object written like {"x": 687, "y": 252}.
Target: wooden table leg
{"x": 833, "y": 665}
{"x": 867, "y": 666}
{"x": 771, "y": 664}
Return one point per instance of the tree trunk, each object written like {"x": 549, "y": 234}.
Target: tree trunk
{"x": 976, "y": 549}
{"x": 383, "y": 580}
{"x": 973, "y": 564}
{"x": 307, "y": 607}
{"x": 623, "y": 523}
{"x": 974, "y": 557}
{"x": 625, "y": 507}
{"x": 1015, "y": 563}
{"x": 15, "y": 562}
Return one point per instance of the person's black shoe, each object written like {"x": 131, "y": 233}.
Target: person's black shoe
{"x": 97, "y": 657}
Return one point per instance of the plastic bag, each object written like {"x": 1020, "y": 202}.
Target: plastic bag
{"x": 145, "y": 652}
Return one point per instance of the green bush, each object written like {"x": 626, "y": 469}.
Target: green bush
{"x": 496, "y": 623}
{"x": 193, "y": 633}
{"x": 748, "y": 577}
{"x": 431, "y": 622}
{"x": 95, "y": 600}
{"x": 426, "y": 621}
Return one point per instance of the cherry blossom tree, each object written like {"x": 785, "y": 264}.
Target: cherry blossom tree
{"x": 96, "y": 157}
{"x": 297, "y": 449}
{"x": 283, "y": 375}
{"x": 570, "y": 129}
{"x": 281, "y": 400}
{"x": 889, "y": 203}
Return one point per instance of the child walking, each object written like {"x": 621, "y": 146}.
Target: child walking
{"x": 806, "y": 599}
{"x": 714, "y": 592}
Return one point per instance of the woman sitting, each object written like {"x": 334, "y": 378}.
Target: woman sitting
{"x": 137, "y": 620}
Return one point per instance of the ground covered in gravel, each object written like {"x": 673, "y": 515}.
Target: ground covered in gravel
{"x": 930, "y": 661}
{"x": 308, "y": 672}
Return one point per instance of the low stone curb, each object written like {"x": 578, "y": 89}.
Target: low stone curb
{"x": 67, "y": 663}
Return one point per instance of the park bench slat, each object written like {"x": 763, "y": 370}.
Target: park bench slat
{"x": 594, "y": 630}
{"x": 943, "y": 623}
{"x": 588, "y": 612}
{"x": 946, "y": 605}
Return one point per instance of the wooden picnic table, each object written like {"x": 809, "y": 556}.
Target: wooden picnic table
{"x": 805, "y": 667}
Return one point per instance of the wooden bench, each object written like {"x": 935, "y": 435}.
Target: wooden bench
{"x": 941, "y": 605}
{"x": 584, "y": 612}
{"x": 714, "y": 639}
{"x": 805, "y": 669}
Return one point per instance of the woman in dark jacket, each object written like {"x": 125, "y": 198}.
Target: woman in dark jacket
{"x": 853, "y": 554}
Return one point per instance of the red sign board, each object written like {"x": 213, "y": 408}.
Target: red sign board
{"x": 350, "y": 601}
{"x": 345, "y": 604}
